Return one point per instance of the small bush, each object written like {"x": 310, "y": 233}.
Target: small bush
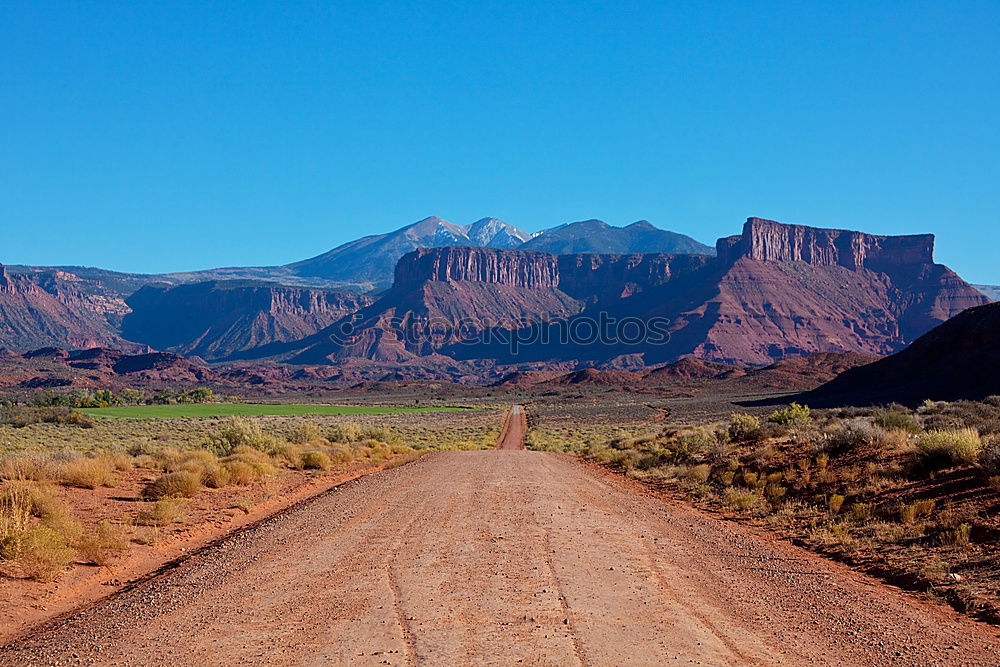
{"x": 290, "y": 455}
{"x": 960, "y": 446}
{"x": 340, "y": 454}
{"x": 241, "y": 432}
{"x": 855, "y": 434}
{"x": 179, "y": 484}
{"x": 835, "y": 502}
{"x": 897, "y": 420}
{"x": 316, "y": 461}
{"x": 42, "y": 553}
{"x": 163, "y": 512}
{"x": 745, "y": 428}
{"x": 345, "y": 432}
{"x": 740, "y": 500}
{"x": 699, "y": 473}
{"x": 305, "y": 433}
{"x": 215, "y": 476}
{"x": 989, "y": 459}
{"x": 792, "y": 414}
{"x": 103, "y": 544}
{"x": 957, "y": 537}
{"x": 87, "y": 473}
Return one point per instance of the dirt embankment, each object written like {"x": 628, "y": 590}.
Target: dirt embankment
{"x": 506, "y": 557}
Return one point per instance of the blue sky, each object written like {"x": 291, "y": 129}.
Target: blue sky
{"x": 160, "y": 136}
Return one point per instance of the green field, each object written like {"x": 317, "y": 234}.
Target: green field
{"x": 248, "y": 410}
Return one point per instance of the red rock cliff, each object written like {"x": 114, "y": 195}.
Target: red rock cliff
{"x": 766, "y": 240}
{"x": 516, "y": 268}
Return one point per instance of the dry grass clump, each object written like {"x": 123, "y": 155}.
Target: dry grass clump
{"x": 180, "y": 484}
{"x": 88, "y": 472}
{"x": 104, "y": 543}
{"x": 163, "y": 512}
{"x": 958, "y": 446}
{"x": 959, "y": 536}
{"x": 248, "y": 466}
{"x": 316, "y": 460}
{"x": 34, "y": 467}
{"x": 42, "y": 553}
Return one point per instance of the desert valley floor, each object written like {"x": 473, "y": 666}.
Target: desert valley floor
{"x": 505, "y": 557}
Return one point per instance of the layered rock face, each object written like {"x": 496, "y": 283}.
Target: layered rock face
{"x": 785, "y": 291}
{"x": 515, "y": 268}
{"x": 770, "y": 241}
{"x": 53, "y": 308}
{"x": 217, "y": 319}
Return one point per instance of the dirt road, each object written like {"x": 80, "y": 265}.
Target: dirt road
{"x": 515, "y": 428}
{"x": 506, "y": 557}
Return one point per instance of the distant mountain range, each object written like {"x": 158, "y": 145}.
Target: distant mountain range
{"x": 773, "y": 292}
{"x": 366, "y": 265}
{"x": 594, "y": 236}
{"x": 776, "y": 291}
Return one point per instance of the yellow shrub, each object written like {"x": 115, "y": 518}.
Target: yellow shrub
{"x": 103, "y": 543}
{"x": 314, "y": 460}
{"x": 43, "y": 553}
{"x": 163, "y": 512}
{"x": 87, "y": 473}
{"x": 174, "y": 485}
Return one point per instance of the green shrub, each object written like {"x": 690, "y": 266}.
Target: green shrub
{"x": 345, "y": 432}
{"x": 792, "y": 414}
{"x": 239, "y": 432}
{"x": 180, "y": 484}
{"x": 897, "y": 420}
{"x": 960, "y": 446}
{"x": 305, "y": 433}
{"x": 745, "y": 428}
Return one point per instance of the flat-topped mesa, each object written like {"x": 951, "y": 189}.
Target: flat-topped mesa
{"x": 517, "y": 268}
{"x": 767, "y": 240}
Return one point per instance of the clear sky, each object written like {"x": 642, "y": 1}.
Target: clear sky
{"x": 161, "y": 136}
